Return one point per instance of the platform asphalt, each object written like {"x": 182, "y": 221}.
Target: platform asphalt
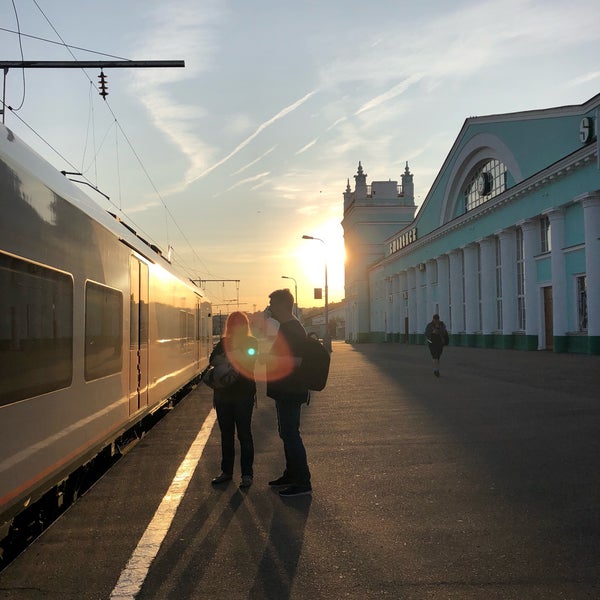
{"x": 482, "y": 484}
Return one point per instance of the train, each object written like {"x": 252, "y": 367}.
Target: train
{"x": 98, "y": 331}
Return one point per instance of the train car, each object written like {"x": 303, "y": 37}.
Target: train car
{"x": 97, "y": 330}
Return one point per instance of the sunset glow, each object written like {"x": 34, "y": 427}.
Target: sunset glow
{"x": 311, "y": 256}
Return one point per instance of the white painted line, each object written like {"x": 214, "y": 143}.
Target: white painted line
{"x": 133, "y": 576}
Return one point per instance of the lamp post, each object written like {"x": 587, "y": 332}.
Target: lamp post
{"x": 295, "y": 292}
{"x": 327, "y": 338}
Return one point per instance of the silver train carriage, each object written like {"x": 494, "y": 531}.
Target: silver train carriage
{"x": 96, "y": 329}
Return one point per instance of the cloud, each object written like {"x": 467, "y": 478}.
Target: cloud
{"x": 251, "y": 164}
{"x": 305, "y": 148}
{"x": 459, "y": 42}
{"x": 178, "y": 30}
{"x": 335, "y": 123}
{"x": 390, "y": 94}
{"x": 584, "y": 78}
{"x": 248, "y": 180}
{"x": 173, "y": 31}
{"x": 280, "y": 115}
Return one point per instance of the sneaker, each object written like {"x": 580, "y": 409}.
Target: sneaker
{"x": 296, "y": 490}
{"x": 246, "y": 481}
{"x": 222, "y": 478}
{"x": 283, "y": 480}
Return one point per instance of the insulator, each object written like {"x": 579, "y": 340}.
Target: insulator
{"x": 103, "y": 85}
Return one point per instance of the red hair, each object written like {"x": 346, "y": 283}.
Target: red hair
{"x": 237, "y": 324}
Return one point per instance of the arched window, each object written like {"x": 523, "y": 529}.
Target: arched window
{"x": 487, "y": 181}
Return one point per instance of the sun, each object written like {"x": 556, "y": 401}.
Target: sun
{"x": 312, "y": 255}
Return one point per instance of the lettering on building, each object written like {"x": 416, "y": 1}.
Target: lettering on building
{"x": 408, "y": 237}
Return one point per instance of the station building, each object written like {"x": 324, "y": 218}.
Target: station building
{"x": 505, "y": 248}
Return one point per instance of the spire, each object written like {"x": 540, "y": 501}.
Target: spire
{"x": 408, "y": 187}
{"x": 348, "y": 196}
{"x": 361, "y": 176}
{"x": 360, "y": 187}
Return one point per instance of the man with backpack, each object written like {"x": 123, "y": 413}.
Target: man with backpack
{"x": 288, "y": 388}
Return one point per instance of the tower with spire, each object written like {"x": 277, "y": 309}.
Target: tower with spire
{"x": 372, "y": 214}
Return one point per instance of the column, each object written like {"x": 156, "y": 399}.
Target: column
{"x": 430, "y": 276}
{"x": 508, "y": 260}
{"x": 412, "y": 300}
{"x": 421, "y": 298}
{"x": 443, "y": 267}
{"x": 387, "y": 307}
{"x": 531, "y": 232}
{"x": 471, "y": 255}
{"x": 395, "y": 309}
{"x": 456, "y": 292}
{"x": 559, "y": 280}
{"x": 487, "y": 257}
{"x": 403, "y": 287}
{"x": 591, "y": 219}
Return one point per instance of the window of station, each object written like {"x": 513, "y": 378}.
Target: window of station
{"x": 487, "y": 182}
{"x": 103, "y": 331}
{"x": 545, "y": 239}
{"x": 36, "y": 333}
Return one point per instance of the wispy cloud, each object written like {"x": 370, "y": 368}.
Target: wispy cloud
{"x": 139, "y": 208}
{"x": 251, "y": 164}
{"x": 175, "y": 31}
{"x": 390, "y": 94}
{"x": 280, "y": 115}
{"x": 305, "y": 148}
{"x": 248, "y": 180}
{"x": 584, "y": 78}
{"x": 336, "y": 123}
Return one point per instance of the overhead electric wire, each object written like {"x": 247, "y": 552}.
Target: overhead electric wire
{"x": 68, "y": 47}
{"x": 21, "y": 49}
{"x": 41, "y": 39}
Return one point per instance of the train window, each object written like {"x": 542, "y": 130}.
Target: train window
{"x": 186, "y": 330}
{"x": 103, "y": 331}
{"x": 36, "y": 331}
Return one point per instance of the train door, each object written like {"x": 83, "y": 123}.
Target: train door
{"x": 138, "y": 351}
{"x": 197, "y": 333}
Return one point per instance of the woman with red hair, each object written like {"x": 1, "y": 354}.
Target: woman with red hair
{"x": 234, "y": 404}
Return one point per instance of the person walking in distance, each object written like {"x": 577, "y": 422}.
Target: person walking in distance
{"x": 234, "y": 404}
{"x": 436, "y": 335}
{"x": 286, "y": 388}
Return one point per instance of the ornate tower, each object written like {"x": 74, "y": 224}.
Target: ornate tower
{"x": 372, "y": 214}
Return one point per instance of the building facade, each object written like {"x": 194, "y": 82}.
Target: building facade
{"x": 505, "y": 248}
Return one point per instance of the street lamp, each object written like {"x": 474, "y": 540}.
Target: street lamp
{"x": 295, "y": 291}
{"x": 327, "y": 338}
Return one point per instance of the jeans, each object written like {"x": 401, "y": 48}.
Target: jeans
{"x": 288, "y": 425}
{"x": 235, "y": 414}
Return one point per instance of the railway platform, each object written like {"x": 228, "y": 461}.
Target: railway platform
{"x": 482, "y": 484}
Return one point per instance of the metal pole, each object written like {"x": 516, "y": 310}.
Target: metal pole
{"x": 89, "y": 64}
{"x": 327, "y": 338}
{"x": 80, "y": 64}
{"x": 295, "y": 292}
{"x": 4, "y": 95}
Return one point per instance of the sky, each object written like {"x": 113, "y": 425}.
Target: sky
{"x": 232, "y": 159}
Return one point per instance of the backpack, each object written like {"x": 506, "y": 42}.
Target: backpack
{"x": 314, "y": 368}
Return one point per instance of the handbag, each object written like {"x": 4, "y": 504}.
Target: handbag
{"x": 220, "y": 374}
